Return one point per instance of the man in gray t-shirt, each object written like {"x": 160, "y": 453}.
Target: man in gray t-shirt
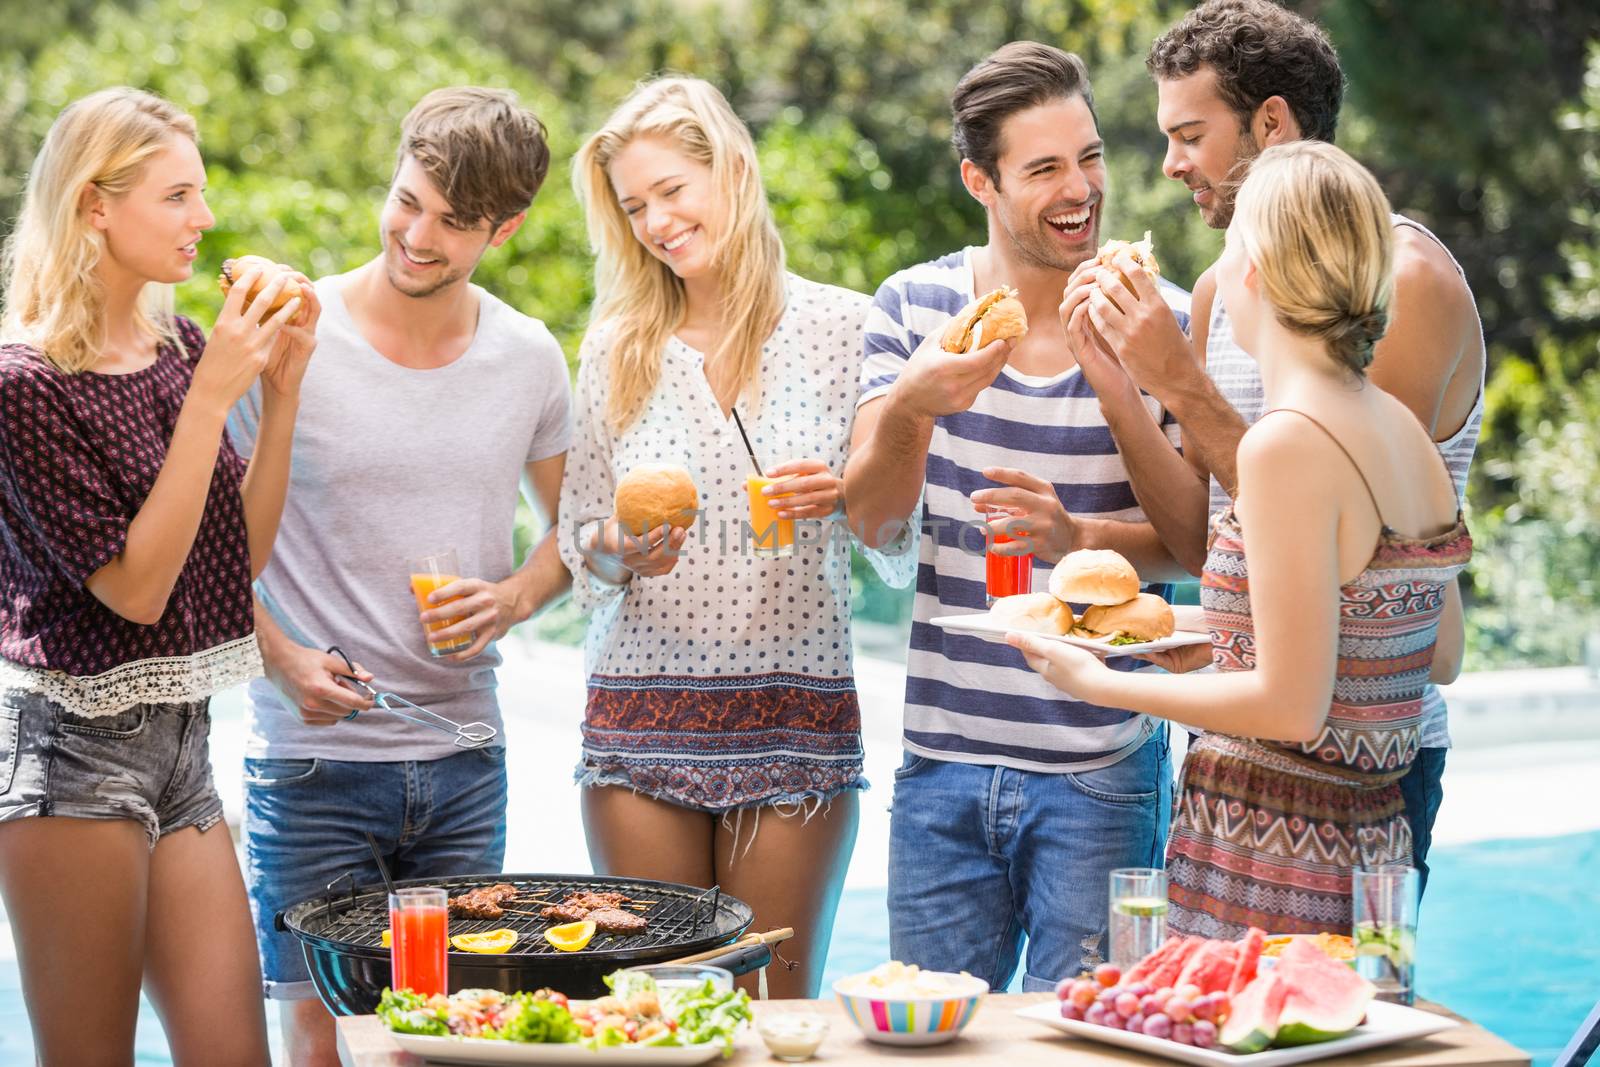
{"x": 428, "y": 403}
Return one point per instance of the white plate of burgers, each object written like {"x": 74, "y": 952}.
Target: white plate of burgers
{"x": 1112, "y": 617}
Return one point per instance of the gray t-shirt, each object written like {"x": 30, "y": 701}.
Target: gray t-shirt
{"x": 391, "y": 462}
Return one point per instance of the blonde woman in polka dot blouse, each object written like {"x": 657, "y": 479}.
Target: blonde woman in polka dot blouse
{"x": 722, "y": 740}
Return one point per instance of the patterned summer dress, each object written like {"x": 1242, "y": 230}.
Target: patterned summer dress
{"x": 1268, "y": 832}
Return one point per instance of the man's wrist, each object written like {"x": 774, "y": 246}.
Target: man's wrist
{"x": 1186, "y": 391}
{"x": 900, "y": 406}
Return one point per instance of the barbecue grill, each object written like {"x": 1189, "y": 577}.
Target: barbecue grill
{"x": 342, "y": 931}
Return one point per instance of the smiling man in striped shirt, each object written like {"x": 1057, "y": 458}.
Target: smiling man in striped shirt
{"x": 1013, "y": 802}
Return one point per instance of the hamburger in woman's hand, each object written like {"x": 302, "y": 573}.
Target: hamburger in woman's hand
{"x": 995, "y": 316}
{"x": 1144, "y": 618}
{"x": 235, "y": 269}
{"x": 653, "y": 495}
{"x": 1107, "y": 582}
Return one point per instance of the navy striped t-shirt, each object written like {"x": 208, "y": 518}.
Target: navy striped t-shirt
{"x": 967, "y": 699}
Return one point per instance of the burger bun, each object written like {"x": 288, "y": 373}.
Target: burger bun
{"x": 236, "y": 268}
{"x": 656, "y": 494}
{"x": 1094, "y": 576}
{"x": 1146, "y": 617}
{"x": 1038, "y": 613}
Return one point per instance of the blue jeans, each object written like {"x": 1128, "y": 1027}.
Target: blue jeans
{"x": 980, "y": 856}
{"x": 305, "y": 822}
{"x": 1423, "y": 790}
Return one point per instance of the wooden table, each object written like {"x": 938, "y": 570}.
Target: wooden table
{"x": 995, "y": 1037}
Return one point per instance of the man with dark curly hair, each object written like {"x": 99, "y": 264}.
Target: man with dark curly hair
{"x": 1235, "y": 77}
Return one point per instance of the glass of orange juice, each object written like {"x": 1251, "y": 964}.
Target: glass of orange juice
{"x": 429, "y": 573}
{"x": 774, "y": 537}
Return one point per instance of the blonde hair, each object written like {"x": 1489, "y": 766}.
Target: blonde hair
{"x": 640, "y": 295}
{"x": 1317, "y": 227}
{"x": 53, "y": 298}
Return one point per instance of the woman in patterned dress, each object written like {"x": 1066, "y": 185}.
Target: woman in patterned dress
{"x": 1347, "y": 604}
{"x": 131, "y": 533}
{"x": 722, "y": 737}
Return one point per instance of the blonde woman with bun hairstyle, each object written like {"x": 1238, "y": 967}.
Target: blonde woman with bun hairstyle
{"x": 722, "y": 737}
{"x": 1330, "y": 585}
{"x": 132, "y": 534}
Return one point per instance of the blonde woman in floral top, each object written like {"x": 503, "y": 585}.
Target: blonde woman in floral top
{"x": 720, "y": 682}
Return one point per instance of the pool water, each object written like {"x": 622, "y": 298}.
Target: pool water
{"x": 1508, "y": 939}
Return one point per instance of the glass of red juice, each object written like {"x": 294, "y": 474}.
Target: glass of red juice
{"x": 1004, "y": 575}
{"x": 419, "y": 923}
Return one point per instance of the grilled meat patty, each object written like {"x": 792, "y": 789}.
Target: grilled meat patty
{"x": 615, "y": 921}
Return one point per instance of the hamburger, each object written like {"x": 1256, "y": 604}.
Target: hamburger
{"x": 656, "y": 494}
{"x": 1094, "y": 576}
{"x": 1146, "y": 617}
{"x": 238, "y": 267}
{"x": 995, "y": 316}
{"x": 1142, "y": 253}
{"x": 1039, "y": 613}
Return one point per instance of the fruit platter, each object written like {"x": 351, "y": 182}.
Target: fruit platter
{"x": 1209, "y": 1001}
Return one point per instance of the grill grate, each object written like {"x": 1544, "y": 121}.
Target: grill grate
{"x": 682, "y": 916}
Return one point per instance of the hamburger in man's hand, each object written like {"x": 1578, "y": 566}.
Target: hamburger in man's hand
{"x": 1141, "y": 253}
{"x": 995, "y": 316}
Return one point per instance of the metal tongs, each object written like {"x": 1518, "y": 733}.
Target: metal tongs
{"x": 467, "y": 734}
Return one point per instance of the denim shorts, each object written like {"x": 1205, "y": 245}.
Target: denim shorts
{"x": 305, "y": 825}
{"x": 150, "y": 764}
{"x": 982, "y": 856}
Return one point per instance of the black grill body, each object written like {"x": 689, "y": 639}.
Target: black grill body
{"x": 341, "y": 935}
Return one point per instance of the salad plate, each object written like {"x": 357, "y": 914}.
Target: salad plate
{"x": 473, "y": 1050}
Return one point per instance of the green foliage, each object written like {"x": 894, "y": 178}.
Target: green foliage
{"x": 1481, "y": 118}
{"x": 1538, "y": 533}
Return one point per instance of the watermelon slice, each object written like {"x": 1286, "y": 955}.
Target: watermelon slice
{"x": 1253, "y": 1019}
{"x": 1326, "y": 999}
{"x": 1249, "y": 956}
{"x": 1141, "y": 970}
{"x": 1166, "y": 973}
{"x": 1305, "y": 999}
{"x": 1211, "y": 967}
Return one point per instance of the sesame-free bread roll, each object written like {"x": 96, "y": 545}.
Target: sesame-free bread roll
{"x": 1038, "y": 613}
{"x": 1094, "y": 576}
{"x": 656, "y": 494}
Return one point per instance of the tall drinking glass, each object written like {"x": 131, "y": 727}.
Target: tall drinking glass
{"x": 773, "y": 537}
{"x": 1384, "y": 910}
{"x": 430, "y": 573}
{"x": 420, "y": 924}
{"x": 1004, "y": 575}
{"x": 1138, "y": 919}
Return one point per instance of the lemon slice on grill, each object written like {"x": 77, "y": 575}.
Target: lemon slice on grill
{"x": 570, "y": 937}
{"x": 488, "y": 941}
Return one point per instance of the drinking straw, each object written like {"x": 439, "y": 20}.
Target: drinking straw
{"x": 747, "y": 447}
{"x": 383, "y": 868}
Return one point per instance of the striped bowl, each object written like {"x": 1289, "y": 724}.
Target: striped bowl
{"x": 923, "y": 1020}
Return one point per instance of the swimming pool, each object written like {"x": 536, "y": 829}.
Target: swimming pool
{"x": 1508, "y": 939}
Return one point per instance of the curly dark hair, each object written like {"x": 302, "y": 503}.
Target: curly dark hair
{"x": 1258, "y": 50}
{"x": 1013, "y": 78}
